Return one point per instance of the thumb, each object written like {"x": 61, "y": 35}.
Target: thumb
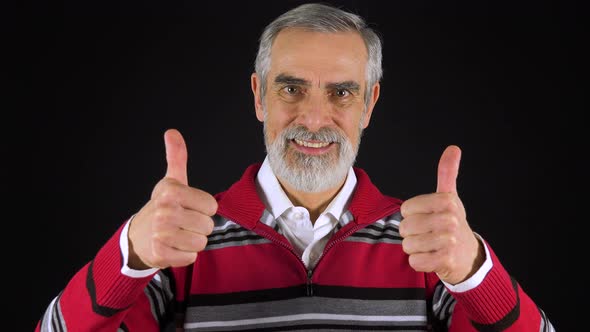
{"x": 448, "y": 169}
{"x": 176, "y": 156}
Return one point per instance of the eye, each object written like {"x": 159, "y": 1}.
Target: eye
{"x": 341, "y": 93}
{"x": 291, "y": 89}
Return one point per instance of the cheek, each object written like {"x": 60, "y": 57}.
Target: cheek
{"x": 277, "y": 120}
{"x": 350, "y": 126}
{"x": 273, "y": 128}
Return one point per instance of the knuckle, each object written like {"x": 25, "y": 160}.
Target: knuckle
{"x": 162, "y": 216}
{"x": 169, "y": 194}
{"x": 452, "y": 241}
{"x": 157, "y": 238}
{"x": 446, "y": 201}
{"x": 162, "y": 185}
{"x": 163, "y": 199}
{"x": 453, "y": 223}
{"x": 448, "y": 222}
{"x": 446, "y": 259}
{"x": 158, "y": 257}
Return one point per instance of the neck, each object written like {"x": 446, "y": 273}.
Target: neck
{"x": 314, "y": 202}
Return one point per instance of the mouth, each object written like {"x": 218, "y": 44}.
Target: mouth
{"x": 312, "y": 147}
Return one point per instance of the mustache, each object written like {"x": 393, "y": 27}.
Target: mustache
{"x": 324, "y": 134}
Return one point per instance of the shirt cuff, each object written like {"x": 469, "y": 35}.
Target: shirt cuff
{"x": 478, "y": 277}
{"x": 126, "y": 270}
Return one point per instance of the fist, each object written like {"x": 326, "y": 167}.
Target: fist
{"x": 435, "y": 231}
{"x": 172, "y": 227}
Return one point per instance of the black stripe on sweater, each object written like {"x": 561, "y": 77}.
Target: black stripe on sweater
{"x": 228, "y": 231}
{"x": 97, "y": 308}
{"x": 276, "y": 294}
{"x": 235, "y": 239}
{"x": 505, "y": 322}
{"x": 154, "y": 296}
{"x": 369, "y": 293}
{"x": 56, "y": 320}
{"x": 123, "y": 328}
{"x": 384, "y": 228}
{"x": 376, "y": 237}
{"x": 317, "y": 327}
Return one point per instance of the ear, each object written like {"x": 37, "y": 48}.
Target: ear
{"x": 255, "y": 83}
{"x": 374, "y": 97}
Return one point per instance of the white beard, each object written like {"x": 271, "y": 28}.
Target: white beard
{"x": 311, "y": 173}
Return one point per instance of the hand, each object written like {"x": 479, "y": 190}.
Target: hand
{"x": 173, "y": 226}
{"x": 436, "y": 234}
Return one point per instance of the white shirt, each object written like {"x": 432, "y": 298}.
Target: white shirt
{"x": 308, "y": 239}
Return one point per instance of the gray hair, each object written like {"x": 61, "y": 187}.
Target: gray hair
{"x": 321, "y": 18}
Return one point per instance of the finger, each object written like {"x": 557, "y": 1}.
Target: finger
{"x": 168, "y": 256}
{"x": 429, "y": 203}
{"x": 176, "y": 156}
{"x": 422, "y": 223}
{"x": 195, "y": 222}
{"x": 424, "y": 243}
{"x": 169, "y": 194}
{"x": 448, "y": 169}
{"x": 201, "y": 201}
{"x": 183, "y": 240}
{"x": 424, "y": 262}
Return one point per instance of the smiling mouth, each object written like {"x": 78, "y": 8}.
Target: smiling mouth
{"x": 308, "y": 144}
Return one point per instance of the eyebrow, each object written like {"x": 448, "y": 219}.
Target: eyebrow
{"x": 292, "y": 80}
{"x": 346, "y": 85}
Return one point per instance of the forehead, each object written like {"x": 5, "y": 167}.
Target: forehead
{"x": 319, "y": 56}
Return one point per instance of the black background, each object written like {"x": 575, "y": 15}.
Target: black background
{"x": 102, "y": 82}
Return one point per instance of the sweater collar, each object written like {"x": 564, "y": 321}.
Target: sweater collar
{"x": 242, "y": 203}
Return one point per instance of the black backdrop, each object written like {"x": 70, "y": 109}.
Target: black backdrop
{"x": 102, "y": 83}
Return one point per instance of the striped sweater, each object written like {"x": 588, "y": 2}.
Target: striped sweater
{"x": 250, "y": 278}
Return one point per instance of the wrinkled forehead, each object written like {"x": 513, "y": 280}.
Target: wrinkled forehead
{"x": 319, "y": 57}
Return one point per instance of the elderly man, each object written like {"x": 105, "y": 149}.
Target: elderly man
{"x": 304, "y": 240}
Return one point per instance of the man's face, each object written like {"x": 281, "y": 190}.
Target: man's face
{"x": 314, "y": 107}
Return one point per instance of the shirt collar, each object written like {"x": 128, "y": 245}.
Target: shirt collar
{"x": 277, "y": 202}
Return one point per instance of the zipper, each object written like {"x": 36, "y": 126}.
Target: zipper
{"x": 309, "y": 283}
{"x": 309, "y": 272}
{"x": 335, "y": 242}
{"x": 344, "y": 236}
{"x": 289, "y": 247}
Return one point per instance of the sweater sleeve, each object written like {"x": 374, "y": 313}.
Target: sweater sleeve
{"x": 100, "y": 298}
{"x": 498, "y": 303}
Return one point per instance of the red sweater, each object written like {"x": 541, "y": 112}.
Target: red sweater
{"x": 249, "y": 277}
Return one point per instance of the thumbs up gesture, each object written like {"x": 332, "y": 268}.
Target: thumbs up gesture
{"x": 173, "y": 226}
{"x": 436, "y": 234}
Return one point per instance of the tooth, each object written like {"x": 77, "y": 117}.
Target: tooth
{"x": 312, "y": 145}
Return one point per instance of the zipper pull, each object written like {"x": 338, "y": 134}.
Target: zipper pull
{"x": 309, "y": 284}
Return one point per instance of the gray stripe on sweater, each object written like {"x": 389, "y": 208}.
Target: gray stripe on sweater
{"x": 388, "y": 226}
{"x": 308, "y": 319}
{"x": 227, "y": 233}
{"x": 313, "y": 306}
{"x": 53, "y": 320}
{"x": 379, "y": 232}
{"x": 159, "y": 293}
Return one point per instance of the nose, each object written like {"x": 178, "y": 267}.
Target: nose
{"x": 315, "y": 113}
